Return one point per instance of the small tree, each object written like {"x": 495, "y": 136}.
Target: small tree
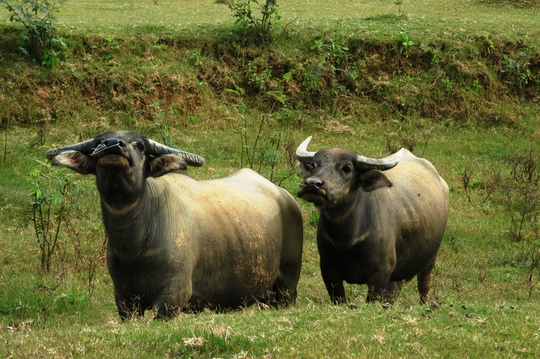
{"x": 250, "y": 23}
{"x": 40, "y": 41}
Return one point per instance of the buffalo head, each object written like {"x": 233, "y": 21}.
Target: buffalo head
{"x": 332, "y": 176}
{"x": 121, "y": 161}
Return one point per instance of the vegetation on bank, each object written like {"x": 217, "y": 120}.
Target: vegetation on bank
{"x": 463, "y": 92}
{"x": 472, "y": 80}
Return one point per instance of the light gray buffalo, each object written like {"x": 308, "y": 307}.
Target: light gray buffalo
{"x": 176, "y": 243}
{"x": 381, "y": 220}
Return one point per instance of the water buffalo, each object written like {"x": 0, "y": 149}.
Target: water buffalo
{"x": 381, "y": 220}
{"x": 176, "y": 243}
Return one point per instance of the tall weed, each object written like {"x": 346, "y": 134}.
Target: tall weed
{"x": 522, "y": 201}
{"x": 266, "y": 149}
{"x": 516, "y": 188}
{"x": 67, "y": 233}
{"x": 51, "y": 201}
{"x": 521, "y": 194}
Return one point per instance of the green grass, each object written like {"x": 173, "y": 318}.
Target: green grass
{"x": 427, "y": 18}
{"x": 307, "y": 330}
{"x": 132, "y": 66}
{"x": 462, "y": 15}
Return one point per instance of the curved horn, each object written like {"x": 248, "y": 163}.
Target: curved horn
{"x": 302, "y": 154}
{"x": 379, "y": 164}
{"x": 84, "y": 147}
{"x": 156, "y": 149}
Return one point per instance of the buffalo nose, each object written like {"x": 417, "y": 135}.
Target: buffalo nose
{"x": 314, "y": 182}
{"x": 114, "y": 142}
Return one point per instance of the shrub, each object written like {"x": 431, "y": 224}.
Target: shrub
{"x": 40, "y": 41}
{"x": 251, "y": 25}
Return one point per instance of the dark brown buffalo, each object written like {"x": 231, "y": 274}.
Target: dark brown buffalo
{"x": 381, "y": 220}
{"x": 176, "y": 243}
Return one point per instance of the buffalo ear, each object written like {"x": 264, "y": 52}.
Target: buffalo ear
{"x": 373, "y": 179}
{"x": 76, "y": 161}
{"x": 164, "y": 164}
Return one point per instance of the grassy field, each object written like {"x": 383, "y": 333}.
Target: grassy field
{"x": 517, "y": 18}
{"x": 464, "y": 94}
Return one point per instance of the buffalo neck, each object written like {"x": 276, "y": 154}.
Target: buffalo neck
{"x": 347, "y": 223}
{"x": 132, "y": 226}
{"x": 119, "y": 188}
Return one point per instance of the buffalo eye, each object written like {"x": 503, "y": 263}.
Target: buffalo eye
{"x": 347, "y": 169}
{"x": 309, "y": 166}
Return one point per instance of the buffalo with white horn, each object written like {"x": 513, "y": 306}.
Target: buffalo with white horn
{"x": 381, "y": 220}
{"x": 176, "y": 243}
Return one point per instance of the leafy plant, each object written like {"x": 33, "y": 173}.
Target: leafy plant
{"x": 314, "y": 217}
{"x": 51, "y": 199}
{"x": 37, "y": 16}
{"x": 517, "y": 71}
{"x": 331, "y": 72}
{"x": 488, "y": 44}
{"x": 52, "y": 56}
{"x": 405, "y": 43}
{"x": 195, "y": 57}
{"x": 335, "y": 53}
{"x": 111, "y": 42}
{"x": 259, "y": 73}
{"x": 159, "y": 119}
{"x": 250, "y": 24}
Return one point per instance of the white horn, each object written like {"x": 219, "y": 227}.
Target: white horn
{"x": 379, "y": 164}
{"x": 84, "y": 147}
{"x": 302, "y": 154}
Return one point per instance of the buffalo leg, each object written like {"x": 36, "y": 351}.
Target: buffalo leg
{"x": 285, "y": 285}
{"x": 384, "y": 293}
{"x": 173, "y": 300}
{"x": 380, "y": 286}
{"x": 128, "y": 308}
{"x": 283, "y": 296}
{"x": 334, "y": 286}
{"x": 391, "y": 293}
{"x": 336, "y": 290}
{"x": 165, "y": 311}
{"x": 424, "y": 283}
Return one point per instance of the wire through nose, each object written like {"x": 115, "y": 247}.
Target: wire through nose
{"x": 102, "y": 147}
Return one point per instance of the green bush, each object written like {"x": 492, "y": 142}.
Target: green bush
{"x": 251, "y": 25}
{"x": 40, "y": 41}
